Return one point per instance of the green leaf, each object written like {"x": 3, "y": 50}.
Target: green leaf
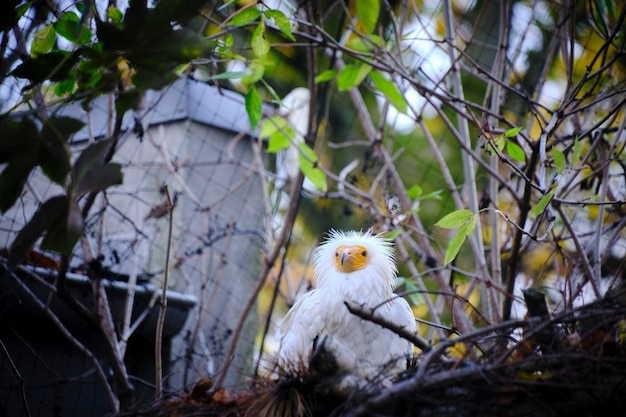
{"x": 435, "y": 195}
{"x": 454, "y": 246}
{"x": 48, "y": 214}
{"x": 393, "y": 234}
{"x": 500, "y": 142}
{"x": 351, "y": 76}
{"x": 308, "y": 165}
{"x": 55, "y": 66}
{"x": 21, "y": 10}
{"x": 360, "y": 44}
{"x": 260, "y": 45}
{"x": 69, "y": 27}
{"x": 559, "y": 160}
{"x": 229, "y": 75}
{"x": 228, "y": 40}
{"x": 64, "y": 87}
{"x": 114, "y": 14}
{"x": 414, "y": 192}
{"x": 577, "y": 152}
{"x": 254, "y": 107}
{"x": 14, "y": 176}
{"x": 127, "y": 100}
{"x": 412, "y": 291}
{"x": 54, "y": 155}
{"x": 542, "y": 203}
{"x": 91, "y": 172}
{"x": 455, "y": 219}
{"x": 65, "y": 126}
{"x": 255, "y": 71}
{"x": 512, "y": 132}
{"x": 99, "y": 177}
{"x": 18, "y": 136}
{"x": 245, "y": 17}
{"x": 368, "y": 11}
{"x": 469, "y": 227}
{"x": 390, "y": 91}
{"x": 279, "y": 133}
{"x": 43, "y": 40}
{"x": 515, "y": 151}
{"x": 92, "y": 156}
{"x": 277, "y": 142}
{"x": 61, "y": 236}
{"x": 281, "y": 21}
{"x": 270, "y": 125}
{"x": 325, "y": 76}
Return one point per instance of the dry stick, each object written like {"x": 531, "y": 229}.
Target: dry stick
{"x": 419, "y": 281}
{"x": 368, "y": 314}
{"x": 129, "y": 302}
{"x": 469, "y": 168}
{"x": 105, "y": 324}
{"x": 524, "y": 208}
{"x": 269, "y": 263}
{"x": 603, "y": 195}
{"x": 581, "y": 251}
{"x": 107, "y": 327}
{"x": 163, "y": 303}
{"x": 113, "y": 401}
{"x": 207, "y": 302}
{"x": 461, "y": 320}
{"x": 452, "y": 188}
{"x": 19, "y": 377}
{"x": 173, "y": 170}
{"x": 418, "y": 380}
{"x": 496, "y": 102}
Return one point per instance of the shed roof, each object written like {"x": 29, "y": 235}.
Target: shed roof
{"x": 185, "y": 99}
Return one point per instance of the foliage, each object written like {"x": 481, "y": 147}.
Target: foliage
{"x": 76, "y": 55}
{"x": 91, "y": 65}
{"x": 475, "y": 149}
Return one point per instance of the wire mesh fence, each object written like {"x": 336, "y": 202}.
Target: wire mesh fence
{"x": 512, "y": 110}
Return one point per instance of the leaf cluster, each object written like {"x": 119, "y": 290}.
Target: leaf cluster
{"x": 127, "y": 54}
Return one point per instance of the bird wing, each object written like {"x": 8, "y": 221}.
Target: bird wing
{"x": 403, "y": 314}
{"x": 297, "y": 331}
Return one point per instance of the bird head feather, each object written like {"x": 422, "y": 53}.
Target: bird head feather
{"x": 381, "y": 264}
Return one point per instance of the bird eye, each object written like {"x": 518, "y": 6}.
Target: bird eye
{"x": 364, "y": 253}
{"x": 336, "y": 254}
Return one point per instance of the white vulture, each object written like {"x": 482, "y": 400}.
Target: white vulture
{"x": 358, "y": 268}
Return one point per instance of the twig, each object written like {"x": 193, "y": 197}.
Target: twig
{"x": 163, "y": 301}
{"x": 524, "y": 209}
{"x": 270, "y": 259}
{"x": 18, "y": 376}
{"x": 113, "y": 400}
{"x": 418, "y": 381}
{"x": 369, "y": 314}
{"x": 419, "y": 281}
{"x": 582, "y": 256}
{"x": 129, "y": 302}
{"x": 469, "y": 169}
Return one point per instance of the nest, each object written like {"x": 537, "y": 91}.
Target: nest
{"x": 569, "y": 364}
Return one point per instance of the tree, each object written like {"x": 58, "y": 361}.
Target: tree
{"x": 490, "y": 135}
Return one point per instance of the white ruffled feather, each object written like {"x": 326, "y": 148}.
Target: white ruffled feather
{"x": 322, "y": 312}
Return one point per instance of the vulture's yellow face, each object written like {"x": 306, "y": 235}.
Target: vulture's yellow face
{"x": 345, "y": 255}
{"x": 350, "y": 258}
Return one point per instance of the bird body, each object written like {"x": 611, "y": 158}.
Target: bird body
{"x": 357, "y": 268}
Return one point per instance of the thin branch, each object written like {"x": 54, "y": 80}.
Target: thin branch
{"x": 368, "y": 314}
{"x": 582, "y": 255}
{"x": 111, "y": 397}
{"x": 158, "y": 345}
{"x": 18, "y": 375}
